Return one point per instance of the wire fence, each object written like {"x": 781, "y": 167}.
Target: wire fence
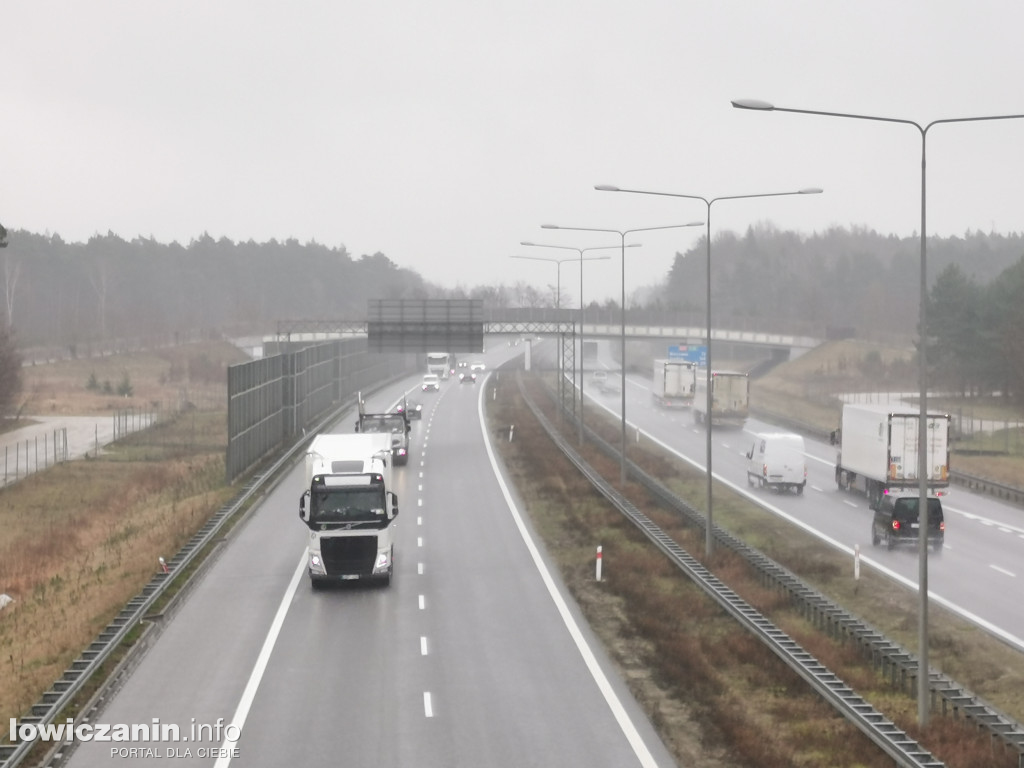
{"x": 49, "y": 448}
{"x": 32, "y": 455}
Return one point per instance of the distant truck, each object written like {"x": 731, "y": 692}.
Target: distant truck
{"x": 878, "y": 451}
{"x": 777, "y": 460}
{"x": 441, "y": 363}
{"x": 349, "y": 508}
{"x": 730, "y": 398}
{"x": 674, "y": 383}
{"x": 394, "y": 424}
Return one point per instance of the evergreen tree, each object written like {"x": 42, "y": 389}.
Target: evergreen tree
{"x": 10, "y": 370}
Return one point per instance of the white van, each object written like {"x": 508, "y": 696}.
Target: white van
{"x": 777, "y": 460}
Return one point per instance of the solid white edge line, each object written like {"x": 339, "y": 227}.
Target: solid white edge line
{"x": 249, "y": 694}
{"x": 629, "y": 730}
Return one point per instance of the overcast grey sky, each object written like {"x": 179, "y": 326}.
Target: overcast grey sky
{"x": 443, "y": 133}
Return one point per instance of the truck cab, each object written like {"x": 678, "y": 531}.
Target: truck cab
{"x": 349, "y": 508}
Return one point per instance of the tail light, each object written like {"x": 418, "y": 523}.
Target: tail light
{"x": 895, "y": 525}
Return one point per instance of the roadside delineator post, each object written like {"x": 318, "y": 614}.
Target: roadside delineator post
{"x": 511, "y": 429}
{"x": 598, "y": 562}
{"x": 856, "y": 562}
{"x": 163, "y": 566}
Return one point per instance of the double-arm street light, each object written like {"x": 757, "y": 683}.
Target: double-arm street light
{"x": 923, "y": 693}
{"x": 622, "y": 235}
{"x": 709, "y": 538}
{"x": 581, "y": 259}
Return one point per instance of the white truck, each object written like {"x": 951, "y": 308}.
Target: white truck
{"x": 349, "y": 508}
{"x": 674, "y": 383}
{"x": 879, "y": 450}
{"x": 730, "y": 398}
{"x": 441, "y": 363}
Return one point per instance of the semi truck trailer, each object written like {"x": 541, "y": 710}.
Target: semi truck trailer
{"x": 879, "y": 449}
{"x": 674, "y": 383}
{"x": 730, "y": 399}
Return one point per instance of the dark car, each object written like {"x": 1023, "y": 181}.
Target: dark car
{"x": 467, "y": 378}
{"x": 896, "y": 523}
{"x": 411, "y": 409}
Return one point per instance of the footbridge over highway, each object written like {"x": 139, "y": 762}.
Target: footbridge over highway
{"x": 460, "y": 326}
{"x": 292, "y": 331}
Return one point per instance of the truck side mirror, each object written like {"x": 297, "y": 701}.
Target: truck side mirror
{"x": 833, "y": 436}
{"x": 393, "y": 498}
{"x": 302, "y": 506}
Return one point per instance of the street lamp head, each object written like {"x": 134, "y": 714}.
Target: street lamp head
{"x": 606, "y": 188}
{"x": 549, "y": 226}
{"x": 763, "y": 106}
{"x": 526, "y": 242}
{"x": 810, "y": 191}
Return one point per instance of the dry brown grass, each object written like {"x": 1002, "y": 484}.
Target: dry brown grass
{"x": 717, "y": 695}
{"x": 82, "y": 538}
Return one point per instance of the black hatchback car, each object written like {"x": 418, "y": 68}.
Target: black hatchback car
{"x": 896, "y": 523}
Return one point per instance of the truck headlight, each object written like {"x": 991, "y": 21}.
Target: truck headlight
{"x": 316, "y": 564}
{"x": 382, "y": 562}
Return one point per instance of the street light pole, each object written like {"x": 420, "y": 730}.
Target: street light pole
{"x": 580, "y": 251}
{"x": 708, "y": 533}
{"x": 558, "y": 307}
{"x": 622, "y": 235}
{"x": 923, "y": 697}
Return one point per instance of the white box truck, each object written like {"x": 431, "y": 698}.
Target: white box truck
{"x": 777, "y": 460}
{"x": 730, "y": 398}
{"x": 349, "y": 508}
{"x": 674, "y": 383}
{"x": 879, "y": 449}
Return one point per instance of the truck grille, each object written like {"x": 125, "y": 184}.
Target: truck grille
{"x": 348, "y": 555}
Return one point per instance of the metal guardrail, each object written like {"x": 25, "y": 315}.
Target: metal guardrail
{"x": 893, "y": 660}
{"x": 1007, "y": 493}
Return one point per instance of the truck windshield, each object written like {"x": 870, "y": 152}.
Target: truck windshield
{"x": 347, "y": 505}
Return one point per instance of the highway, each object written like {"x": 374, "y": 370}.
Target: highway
{"x": 473, "y": 656}
{"x": 978, "y": 574}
